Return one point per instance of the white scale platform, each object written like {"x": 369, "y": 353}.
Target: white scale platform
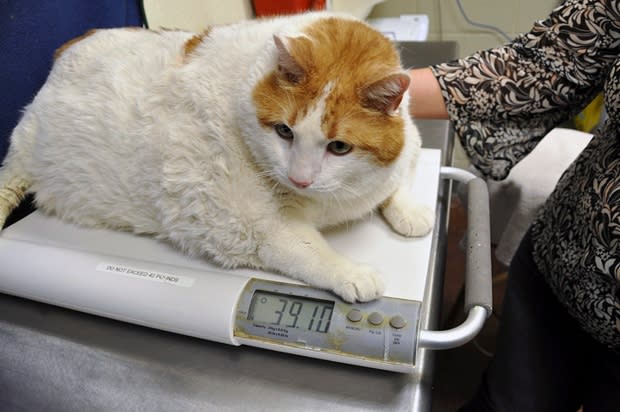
{"x": 143, "y": 281}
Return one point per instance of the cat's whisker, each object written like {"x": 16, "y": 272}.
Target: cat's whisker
{"x": 356, "y": 197}
{"x": 266, "y": 173}
{"x": 271, "y": 175}
{"x": 340, "y": 206}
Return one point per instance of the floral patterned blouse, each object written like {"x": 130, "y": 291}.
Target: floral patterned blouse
{"x": 504, "y": 100}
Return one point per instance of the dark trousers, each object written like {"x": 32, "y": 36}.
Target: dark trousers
{"x": 544, "y": 361}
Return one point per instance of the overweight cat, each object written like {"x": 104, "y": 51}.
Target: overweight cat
{"x": 238, "y": 144}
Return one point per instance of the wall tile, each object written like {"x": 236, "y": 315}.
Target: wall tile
{"x": 530, "y": 11}
{"x": 469, "y": 43}
{"x": 435, "y": 12}
{"x": 499, "y": 13}
{"x": 394, "y": 8}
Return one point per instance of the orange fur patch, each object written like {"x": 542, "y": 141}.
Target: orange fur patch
{"x": 351, "y": 56}
{"x": 193, "y": 42}
{"x": 59, "y": 51}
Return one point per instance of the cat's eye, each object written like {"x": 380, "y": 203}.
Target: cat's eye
{"x": 339, "y": 147}
{"x": 283, "y": 131}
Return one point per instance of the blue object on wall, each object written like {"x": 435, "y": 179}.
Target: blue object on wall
{"x": 30, "y": 31}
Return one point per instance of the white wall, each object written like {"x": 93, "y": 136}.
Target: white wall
{"x": 447, "y": 23}
{"x": 195, "y": 15}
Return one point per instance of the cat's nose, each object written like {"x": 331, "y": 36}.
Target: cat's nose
{"x": 302, "y": 184}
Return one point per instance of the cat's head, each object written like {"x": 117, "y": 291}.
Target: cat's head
{"x": 330, "y": 110}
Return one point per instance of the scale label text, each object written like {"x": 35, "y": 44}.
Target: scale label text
{"x": 146, "y": 274}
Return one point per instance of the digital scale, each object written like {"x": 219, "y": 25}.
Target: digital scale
{"x": 143, "y": 281}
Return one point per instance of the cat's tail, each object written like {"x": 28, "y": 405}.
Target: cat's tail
{"x": 15, "y": 180}
{"x": 11, "y": 194}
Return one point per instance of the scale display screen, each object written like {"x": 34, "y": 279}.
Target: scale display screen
{"x": 291, "y": 311}
{"x": 306, "y": 321}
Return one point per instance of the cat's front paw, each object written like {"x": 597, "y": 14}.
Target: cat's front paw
{"x": 409, "y": 219}
{"x": 360, "y": 284}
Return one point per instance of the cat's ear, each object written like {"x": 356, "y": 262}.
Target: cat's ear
{"x": 386, "y": 94}
{"x": 288, "y": 68}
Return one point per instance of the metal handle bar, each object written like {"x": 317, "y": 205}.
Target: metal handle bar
{"x": 478, "y": 287}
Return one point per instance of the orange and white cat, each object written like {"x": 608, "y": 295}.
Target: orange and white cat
{"x": 238, "y": 144}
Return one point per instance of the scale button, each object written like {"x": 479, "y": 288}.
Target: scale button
{"x": 398, "y": 322}
{"x": 375, "y": 318}
{"x": 354, "y": 315}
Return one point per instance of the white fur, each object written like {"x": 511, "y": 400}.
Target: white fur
{"x": 126, "y": 134}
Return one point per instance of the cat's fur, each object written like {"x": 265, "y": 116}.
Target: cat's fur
{"x": 173, "y": 135}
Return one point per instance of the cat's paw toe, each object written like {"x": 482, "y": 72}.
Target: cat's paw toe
{"x": 413, "y": 221}
{"x": 362, "y": 285}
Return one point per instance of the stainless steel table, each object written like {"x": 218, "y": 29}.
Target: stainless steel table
{"x": 53, "y": 359}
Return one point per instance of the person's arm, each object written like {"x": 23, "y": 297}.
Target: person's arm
{"x": 502, "y": 101}
{"x": 426, "y": 100}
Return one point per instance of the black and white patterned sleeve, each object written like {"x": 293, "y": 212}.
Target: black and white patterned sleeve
{"x": 504, "y": 100}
